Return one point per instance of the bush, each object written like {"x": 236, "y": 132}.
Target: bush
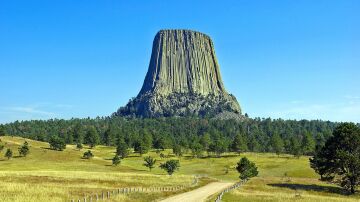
{"x": 8, "y": 154}
{"x": 170, "y": 166}
{"x": 88, "y": 155}
{"x": 122, "y": 149}
{"x": 246, "y": 168}
{"x": 149, "y": 162}
{"x": 57, "y": 143}
{"x": 116, "y": 160}
{"x": 24, "y": 149}
{"x": 79, "y": 146}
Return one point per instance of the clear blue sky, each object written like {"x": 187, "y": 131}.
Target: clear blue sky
{"x": 288, "y": 59}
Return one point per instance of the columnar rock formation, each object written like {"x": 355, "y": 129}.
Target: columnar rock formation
{"x": 183, "y": 79}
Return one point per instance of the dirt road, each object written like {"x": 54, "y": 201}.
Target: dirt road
{"x": 199, "y": 194}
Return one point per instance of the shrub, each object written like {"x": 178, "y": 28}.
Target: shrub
{"x": 170, "y": 166}
{"x": 8, "y": 154}
{"x": 24, "y": 149}
{"x": 246, "y": 168}
{"x": 149, "y": 162}
{"x": 116, "y": 160}
{"x": 57, "y": 143}
{"x": 88, "y": 155}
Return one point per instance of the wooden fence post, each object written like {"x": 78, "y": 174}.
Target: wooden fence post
{"x": 108, "y": 194}
{"x": 102, "y": 195}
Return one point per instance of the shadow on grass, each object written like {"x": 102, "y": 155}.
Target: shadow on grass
{"x": 311, "y": 187}
{"x": 281, "y": 157}
{"x": 15, "y": 157}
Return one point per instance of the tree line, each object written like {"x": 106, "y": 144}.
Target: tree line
{"x": 183, "y": 135}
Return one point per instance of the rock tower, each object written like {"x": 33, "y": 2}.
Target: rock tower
{"x": 183, "y": 79}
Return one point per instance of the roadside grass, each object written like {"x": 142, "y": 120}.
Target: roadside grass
{"x": 271, "y": 189}
{"x": 48, "y": 175}
{"x": 66, "y": 185}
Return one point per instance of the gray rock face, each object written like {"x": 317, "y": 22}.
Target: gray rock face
{"x": 183, "y": 79}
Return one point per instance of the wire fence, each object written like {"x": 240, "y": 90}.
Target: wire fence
{"x": 105, "y": 195}
{"x": 235, "y": 186}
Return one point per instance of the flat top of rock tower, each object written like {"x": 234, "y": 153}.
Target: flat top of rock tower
{"x": 184, "y": 31}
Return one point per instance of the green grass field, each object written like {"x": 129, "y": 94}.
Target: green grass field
{"x": 47, "y": 175}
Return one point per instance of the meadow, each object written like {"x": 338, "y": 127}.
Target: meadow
{"x": 48, "y": 175}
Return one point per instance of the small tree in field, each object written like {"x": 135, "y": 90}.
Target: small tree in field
{"x": 116, "y": 160}
{"x": 177, "y": 150}
{"x": 57, "y": 143}
{"x": 24, "y": 149}
{"x": 246, "y": 168}
{"x": 79, "y": 146}
{"x": 149, "y": 162}
{"x": 88, "y": 155}
{"x": 170, "y": 166}
{"x": 122, "y": 149}
{"x": 8, "y": 154}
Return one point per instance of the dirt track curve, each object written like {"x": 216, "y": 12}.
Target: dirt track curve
{"x": 199, "y": 194}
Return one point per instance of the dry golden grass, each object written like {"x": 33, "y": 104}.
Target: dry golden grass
{"x": 47, "y": 175}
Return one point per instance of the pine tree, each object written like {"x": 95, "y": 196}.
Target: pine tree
{"x": 246, "y": 168}
{"x": 277, "y": 143}
{"x": 218, "y": 145}
{"x": 57, "y": 143}
{"x": 239, "y": 145}
{"x": 196, "y": 149}
{"x": 109, "y": 136}
{"x": 88, "y": 155}
{"x": 205, "y": 141}
{"x": 2, "y": 130}
{"x": 116, "y": 160}
{"x": 170, "y": 166}
{"x": 8, "y": 154}
{"x": 149, "y": 162}
{"x": 295, "y": 147}
{"x": 79, "y": 146}
{"x": 338, "y": 160}
{"x": 92, "y": 137}
{"x": 24, "y": 149}
{"x": 79, "y": 133}
{"x": 308, "y": 144}
{"x": 122, "y": 149}
{"x": 177, "y": 150}
{"x": 143, "y": 145}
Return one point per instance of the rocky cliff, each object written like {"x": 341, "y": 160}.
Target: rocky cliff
{"x": 183, "y": 79}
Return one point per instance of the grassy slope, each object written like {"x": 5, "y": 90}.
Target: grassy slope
{"x": 46, "y": 174}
